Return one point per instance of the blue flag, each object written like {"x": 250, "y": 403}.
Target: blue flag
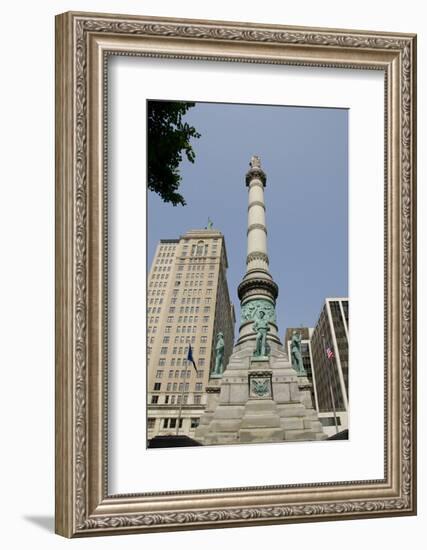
{"x": 190, "y": 356}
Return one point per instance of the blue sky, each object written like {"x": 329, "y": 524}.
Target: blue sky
{"x": 304, "y": 152}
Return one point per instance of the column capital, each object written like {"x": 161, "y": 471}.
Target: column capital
{"x": 255, "y": 171}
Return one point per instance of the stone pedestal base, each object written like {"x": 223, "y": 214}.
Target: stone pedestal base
{"x": 259, "y": 400}
{"x": 213, "y": 391}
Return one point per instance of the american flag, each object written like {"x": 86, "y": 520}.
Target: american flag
{"x": 329, "y": 353}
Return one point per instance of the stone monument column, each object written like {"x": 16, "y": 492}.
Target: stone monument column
{"x": 259, "y": 397}
{"x": 257, "y": 291}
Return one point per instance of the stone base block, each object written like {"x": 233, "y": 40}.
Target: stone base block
{"x": 228, "y": 412}
{"x": 292, "y": 410}
{"x": 221, "y": 439}
{"x": 292, "y": 424}
{"x": 261, "y": 421}
{"x": 303, "y": 435}
{"x": 311, "y": 424}
{"x": 225, "y": 425}
{"x": 260, "y": 406}
{"x": 260, "y": 435}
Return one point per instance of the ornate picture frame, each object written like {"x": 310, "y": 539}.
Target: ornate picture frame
{"x": 83, "y": 43}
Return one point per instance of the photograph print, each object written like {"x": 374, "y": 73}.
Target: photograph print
{"x": 247, "y": 274}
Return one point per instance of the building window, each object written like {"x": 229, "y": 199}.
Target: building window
{"x": 200, "y": 373}
{"x": 159, "y": 374}
{"x": 201, "y": 362}
{"x": 162, "y": 362}
{"x": 199, "y": 386}
{"x": 203, "y": 339}
{"x": 157, "y": 386}
{"x": 154, "y": 399}
{"x": 197, "y": 399}
{"x": 195, "y": 422}
{"x": 204, "y": 328}
{"x": 168, "y": 386}
{"x": 151, "y": 422}
{"x": 165, "y": 422}
{"x": 164, "y": 350}
{"x": 202, "y": 351}
{"x": 171, "y": 374}
{"x": 166, "y": 399}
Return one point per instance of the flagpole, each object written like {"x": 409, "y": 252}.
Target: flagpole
{"x": 333, "y": 407}
{"x": 182, "y": 399}
{"x": 330, "y": 386}
{"x": 189, "y": 358}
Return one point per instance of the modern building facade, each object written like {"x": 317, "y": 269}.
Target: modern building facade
{"x": 188, "y": 302}
{"x": 330, "y": 375}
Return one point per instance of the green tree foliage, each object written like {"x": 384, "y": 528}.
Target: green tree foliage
{"x": 168, "y": 140}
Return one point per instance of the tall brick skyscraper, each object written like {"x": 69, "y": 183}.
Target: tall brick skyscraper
{"x": 187, "y": 303}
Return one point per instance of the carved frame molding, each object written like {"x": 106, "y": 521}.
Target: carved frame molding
{"x": 83, "y": 43}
